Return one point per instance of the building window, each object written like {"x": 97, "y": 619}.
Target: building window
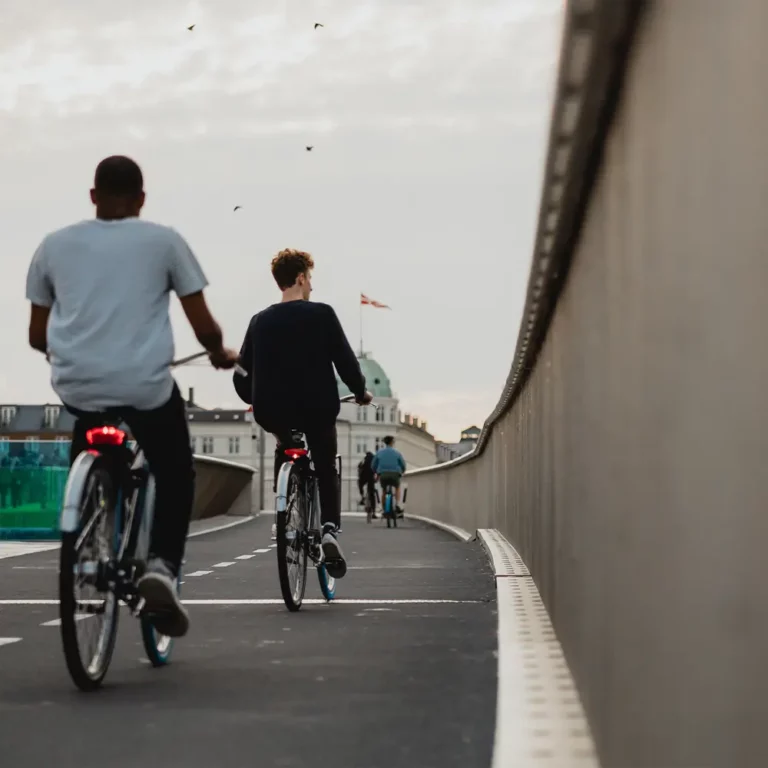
{"x": 379, "y": 413}
{"x": 5, "y": 446}
{"x": 7, "y": 414}
{"x": 234, "y": 445}
{"x": 362, "y": 444}
{"x": 32, "y": 444}
{"x": 379, "y": 444}
{"x": 393, "y": 414}
{"x": 193, "y": 444}
{"x": 51, "y": 415}
{"x": 207, "y": 445}
{"x": 362, "y": 413}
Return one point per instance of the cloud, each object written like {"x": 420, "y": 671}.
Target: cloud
{"x": 260, "y": 68}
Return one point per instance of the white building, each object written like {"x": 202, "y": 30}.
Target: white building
{"x": 232, "y": 435}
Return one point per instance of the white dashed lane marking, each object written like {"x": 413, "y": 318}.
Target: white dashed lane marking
{"x": 244, "y": 557}
{"x": 198, "y": 573}
{"x": 9, "y": 640}
{"x": 224, "y": 564}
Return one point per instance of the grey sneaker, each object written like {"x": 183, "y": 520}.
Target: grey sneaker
{"x": 335, "y": 563}
{"x": 161, "y": 599}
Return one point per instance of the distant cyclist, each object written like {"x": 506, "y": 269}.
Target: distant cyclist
{"x": 389, "y": 465}
{"x": 366, "y": 482}
{"x": 290, "y": 351}
{"x": 100, "y": 298}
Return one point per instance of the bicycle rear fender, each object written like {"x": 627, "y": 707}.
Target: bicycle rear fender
{"x": 69, "y": 518}
{"x": 281, "y": 500}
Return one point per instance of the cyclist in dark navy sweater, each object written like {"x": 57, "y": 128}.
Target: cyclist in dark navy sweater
{"x": 290, "y": 351}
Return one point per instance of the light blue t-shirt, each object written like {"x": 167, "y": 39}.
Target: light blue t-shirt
{"x": 388, "y": 459}
{"x": 109, "y": 334}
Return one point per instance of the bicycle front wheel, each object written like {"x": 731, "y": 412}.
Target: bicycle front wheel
{"x": 292, "y": 542}
{"x": 88, "y": 610}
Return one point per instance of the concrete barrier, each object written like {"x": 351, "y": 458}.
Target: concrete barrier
{"x": 624, "y": 459}
{"x": 222, "y": 488}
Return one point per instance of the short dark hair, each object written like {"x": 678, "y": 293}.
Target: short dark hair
{"x": 388, "y": 440}
{"x": 288, "y": 265}
{"x": 120, "y": 176}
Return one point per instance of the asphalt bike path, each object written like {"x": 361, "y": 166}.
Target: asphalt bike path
{"x": 399, "y": 671}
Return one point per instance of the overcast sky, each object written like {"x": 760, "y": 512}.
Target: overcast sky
{"x": 428, "y": 121}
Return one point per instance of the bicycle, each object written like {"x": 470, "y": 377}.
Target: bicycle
{"x": 389, "y": 507}
{"x": 371, "y": 499}
{"x": 106, "y": 524}
{"x": 297, "y": 520}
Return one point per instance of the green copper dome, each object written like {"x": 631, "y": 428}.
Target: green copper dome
{"x": 376, "y": 381}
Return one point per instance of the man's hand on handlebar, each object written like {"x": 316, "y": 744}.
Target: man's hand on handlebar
{"x": 365, "y": 399}
{"x": 224, "y": 358}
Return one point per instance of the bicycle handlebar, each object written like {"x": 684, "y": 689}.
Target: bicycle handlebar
{"x": 351, "y": 399}
{"x": 189, "y": 358}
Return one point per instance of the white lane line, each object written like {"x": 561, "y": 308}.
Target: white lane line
{"x": 9, "y": 640}
{"x": 19, "y": 548}
{"x": 539, "y": 717}
{"x": 222, "y": 527}
{"x": 198, "y": 573}
{"x": 224, "y": 564}
{"x": 244, "y": 557}
{"x": 459, "y": 533}
{"x": 272, "y": 546}
{"x": 57, "y": 622}
{"x": 260, "y": 551}
{"x": 275, "y": 601}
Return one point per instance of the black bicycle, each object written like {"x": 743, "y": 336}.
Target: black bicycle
{"x": 298, "y": 528}
{"x": 106, "y": 524}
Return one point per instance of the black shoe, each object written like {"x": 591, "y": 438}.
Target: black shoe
{"x": 161, "y": 599}
{"x": 335, "y": 563}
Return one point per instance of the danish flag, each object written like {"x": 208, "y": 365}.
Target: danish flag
{"x": 371, "y": 303}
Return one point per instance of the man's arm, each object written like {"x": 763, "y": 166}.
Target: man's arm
{"x": 38, "y": 328}
{"x": 344, "y": 358}
{"x": 188, "y": 281}
{"x": 243, "y": 384}
{"x": 401, "y": 462}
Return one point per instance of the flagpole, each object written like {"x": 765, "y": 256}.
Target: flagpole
{"x": 361, "y": 325}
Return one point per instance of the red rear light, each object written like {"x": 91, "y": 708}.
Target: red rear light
{"x": 295, "y": 453}
{"x": 105, "y": 436}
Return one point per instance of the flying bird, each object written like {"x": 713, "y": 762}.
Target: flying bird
{"x": 309, "y": 149}
{"x": 191, "y": 27}
{"x": 237, "y": 208}
{"x": 318, "y": 24}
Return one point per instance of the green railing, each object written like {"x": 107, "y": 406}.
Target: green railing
{"x": 32, "y": 479}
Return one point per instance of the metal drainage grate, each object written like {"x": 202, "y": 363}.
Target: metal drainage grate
{"x": 506, "y": 561}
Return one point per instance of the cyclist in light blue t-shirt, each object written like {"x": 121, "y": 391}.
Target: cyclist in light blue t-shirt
{"x": 389, "y": 465}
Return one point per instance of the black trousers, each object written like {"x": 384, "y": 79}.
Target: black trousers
{"x": 323, "y": 445}
{"x": 163, "y": 434}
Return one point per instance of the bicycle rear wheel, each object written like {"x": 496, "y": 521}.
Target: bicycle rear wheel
{"x": 292, "y": 542}
{"x": 88, "y": 624}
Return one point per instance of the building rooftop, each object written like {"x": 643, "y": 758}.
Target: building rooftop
{"x": 376, "y": 380}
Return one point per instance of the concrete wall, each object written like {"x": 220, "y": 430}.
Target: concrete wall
{"x": 625, "y": 459}
{"x": 222, "y": 488}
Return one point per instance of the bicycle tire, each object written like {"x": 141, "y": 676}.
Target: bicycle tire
{"x": 327, "y": 583}
{"x": 157, "y": 647}
{"x": 85, "y": 676}
{"x": 293, "y": 597}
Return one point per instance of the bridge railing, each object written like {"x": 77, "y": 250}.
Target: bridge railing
{"x": 625, "y": 457}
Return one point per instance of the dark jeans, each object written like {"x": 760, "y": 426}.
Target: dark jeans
{"x": 163, "y": 435}
{"x": 322, "y": 444}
